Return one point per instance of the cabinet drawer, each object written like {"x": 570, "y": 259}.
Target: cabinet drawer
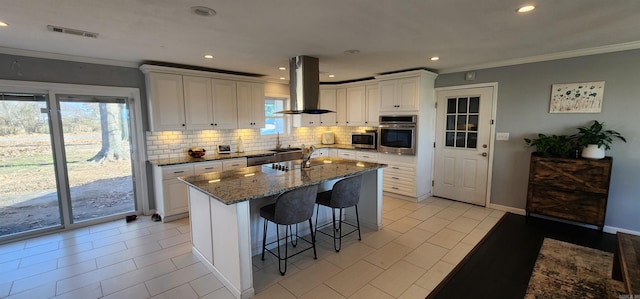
{"x": 346, "y": 154}
{"x": 404, "y": 190}
{"x": 172, "y": 172}
{"x": 367, "y": 157}
{"x": 231, "y": 164}
{"x": 401, "y": 180}
{"x": 567, "y": 204}
{"x": 401, "y": 170}
{"x": 205, "y": 167}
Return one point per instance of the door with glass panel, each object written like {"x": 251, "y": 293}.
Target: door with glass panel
{"x": 28, "y": 192}
{"x": 463, "y": 134}
{"x": 97, "y": 156}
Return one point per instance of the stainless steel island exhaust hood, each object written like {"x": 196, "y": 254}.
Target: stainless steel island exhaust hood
{"x": 304, "y": 83}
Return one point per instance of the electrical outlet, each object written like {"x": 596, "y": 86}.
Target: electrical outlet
{"x": 502, "y": 136}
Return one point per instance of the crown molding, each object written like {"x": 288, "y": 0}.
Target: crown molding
{"x": 547, "y": 57}
{"x": 47, "y": 55}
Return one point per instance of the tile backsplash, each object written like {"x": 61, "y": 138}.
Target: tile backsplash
{"x": 175, "y": 144}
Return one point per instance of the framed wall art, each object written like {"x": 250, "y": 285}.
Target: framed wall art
{"x": 583, "y": 97}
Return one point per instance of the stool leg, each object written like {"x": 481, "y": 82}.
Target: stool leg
{"x": 264, "y": 238}
{"x": 314, "y": 231}
{"x": 285, "y": 251}
{"x": 293, "y": 243}
{"x": 339, "y": 231}
{"x": 333, "y": 215}
{"x": 313, "y": 240}
{"x": 358, "y": 222}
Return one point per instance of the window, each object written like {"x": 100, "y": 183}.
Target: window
{"x": 274, "y": 122}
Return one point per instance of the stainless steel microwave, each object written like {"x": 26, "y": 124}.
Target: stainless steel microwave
{"x": 397, "y": 134}
{"x": 365, "y": 139}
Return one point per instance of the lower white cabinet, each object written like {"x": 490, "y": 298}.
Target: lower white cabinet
{"x": 320, "y": 152}
{"x": 170, "y": 193}
{"x": 400, "y": 179}
{"x": 367, "y": 156}
{"x": 347, "y": 154}
{"x": 171, "y": 197}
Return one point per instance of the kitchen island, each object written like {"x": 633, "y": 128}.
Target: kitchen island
{"x": 224, "y": 210}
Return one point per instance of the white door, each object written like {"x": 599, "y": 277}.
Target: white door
{"x": 463, "y": 130}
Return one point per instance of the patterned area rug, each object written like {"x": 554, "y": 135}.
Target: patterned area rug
{"x": 565, "y": 270}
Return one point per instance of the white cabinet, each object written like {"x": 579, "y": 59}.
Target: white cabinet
{"x": 400, "y": 178}
{"x": 328, "y": 101}
{"x": 320, "y": 152}
{"x": 231, "y": 164}
{"x": 356, "y": 98}
{"x": 367, "y": 156}
{"x": 209, "y": 166}
{"x": 400, "y": 94}
{"x": 347, "y": 154}
{"x": 250, "y": 102}
{"x": 198, "y": 102}
{"x": 372, "y": 106}
{"x": 341, "y": 106}
{"x": 166, "y": 102}
{"x": 333, "y": 152}
{"x": 225, "y": 108}
{"x": 171, "y": 194}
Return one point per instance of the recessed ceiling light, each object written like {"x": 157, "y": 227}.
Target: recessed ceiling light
{"x": 208, "y": 56}
{"x": 283, "y": 78}
{"x": 526, "y": 8}
{"x": 332, "y": 76}
{"x": 352, "y": 51}
{"x": 203, "y": 11}
{"x": 3, "y": 24}
{"x": 282, "y": 68}
{"x": 435, "y": 58}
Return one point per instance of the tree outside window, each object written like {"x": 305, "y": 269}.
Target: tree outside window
{"x": 274, "y": 122}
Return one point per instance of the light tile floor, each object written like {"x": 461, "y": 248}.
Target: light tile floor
{"x": 419, "y": 245}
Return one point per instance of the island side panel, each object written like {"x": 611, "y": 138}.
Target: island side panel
{"x": 200, "y": 218}
{"x": 232, "y": 245}
{"x": 370, "y": 204}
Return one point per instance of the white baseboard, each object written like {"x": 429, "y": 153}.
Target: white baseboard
{"x": 507, "y": 209}
{"x": 613, "y": 230}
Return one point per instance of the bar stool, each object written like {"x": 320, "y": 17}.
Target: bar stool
{"x": 291, "y": 207}
{"x": 345, "y": 194}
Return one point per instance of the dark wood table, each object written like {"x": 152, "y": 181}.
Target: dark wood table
{"x": 626, "y": 262}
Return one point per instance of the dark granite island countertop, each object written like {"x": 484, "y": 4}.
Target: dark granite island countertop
{"x": 230, "y": 187}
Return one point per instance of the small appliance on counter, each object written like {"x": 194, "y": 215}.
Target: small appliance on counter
{"x": 328, "y": 138}
{"x": 364, "y": 140}
{"x": 197, "y": 152}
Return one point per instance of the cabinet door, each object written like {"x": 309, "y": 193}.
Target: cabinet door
{"x": 198, "y": 102}
{"x": 176, "y": 200}
{"x": 408, "y": 94}
{"x": 387, "y": 95}
{"x": 250, "y": 100}
{"x": 200, "y": 216}
{"x": 167, "y": 102}
{"x": 356, "y": 106}
{"x": 328, "y": 101}
{"x": 372, "y": 105}
{"x": 225, "y": 109}
{"x": 341, "y": 106}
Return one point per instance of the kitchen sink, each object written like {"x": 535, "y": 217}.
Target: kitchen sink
{"x": 284, "y": 150}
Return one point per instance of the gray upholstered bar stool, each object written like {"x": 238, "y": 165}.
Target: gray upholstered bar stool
{"x": 345, "y": 194}
{"x": 291, "y": 207}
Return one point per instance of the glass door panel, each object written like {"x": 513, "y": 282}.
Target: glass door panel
{"x": 29, "y": 198}
{"x": 97, "y": 153}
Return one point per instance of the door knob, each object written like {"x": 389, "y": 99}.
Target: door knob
{"x": 484, "y": 154}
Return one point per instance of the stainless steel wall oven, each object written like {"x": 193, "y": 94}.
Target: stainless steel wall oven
{"x": 397, "y": 134}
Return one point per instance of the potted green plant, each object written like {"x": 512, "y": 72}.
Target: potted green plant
{"x": 553, "y": 145}
{"x": 594, "y": 140}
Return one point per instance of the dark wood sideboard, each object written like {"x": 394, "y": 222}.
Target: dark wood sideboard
{"x": 570, "y": 189}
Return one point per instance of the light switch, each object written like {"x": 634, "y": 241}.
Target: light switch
{"x": 502, "y": 136}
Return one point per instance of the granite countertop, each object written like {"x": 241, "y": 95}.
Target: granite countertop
{"x": 230, "y": 187}
{"x": 208, "y": 157}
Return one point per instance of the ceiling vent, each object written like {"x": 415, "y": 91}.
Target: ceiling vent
{"x": 72, "y": 31}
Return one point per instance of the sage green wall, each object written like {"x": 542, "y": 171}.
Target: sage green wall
{"x": 522, "y": 110}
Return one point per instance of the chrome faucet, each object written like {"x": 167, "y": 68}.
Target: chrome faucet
{"x": 278, "y": 145}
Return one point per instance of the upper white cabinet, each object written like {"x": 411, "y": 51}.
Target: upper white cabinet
{"x": 198, "y": 102}
{"x": 166, "y": 105}
{"x": 328, "y": 101}
{"x": 195, "y": 100}
{"x": 356, "y": 99}
{"x": 372, "y": 106}
{"x": 400, "y": 94}
{"x": 250, "y": 105}
{"x": 225, "y": 105}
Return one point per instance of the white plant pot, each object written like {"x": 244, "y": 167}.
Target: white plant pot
{"x": 593, "y": 151}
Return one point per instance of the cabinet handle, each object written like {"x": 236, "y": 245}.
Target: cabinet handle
{"x": 395, "y": 188}
{"x": 395, "y": 167}
{"x": 208, "y": 168}
{"x": 395, "y": 178}
{"x": 179, "y": 171}
{"x": 183, "y": 125}
{"x": 212, "y": 124}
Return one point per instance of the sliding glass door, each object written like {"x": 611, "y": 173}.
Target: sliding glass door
{"x": 65, "y": 159}
{"x": 28, "y": 192}
{"x": 97, "y": 155}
